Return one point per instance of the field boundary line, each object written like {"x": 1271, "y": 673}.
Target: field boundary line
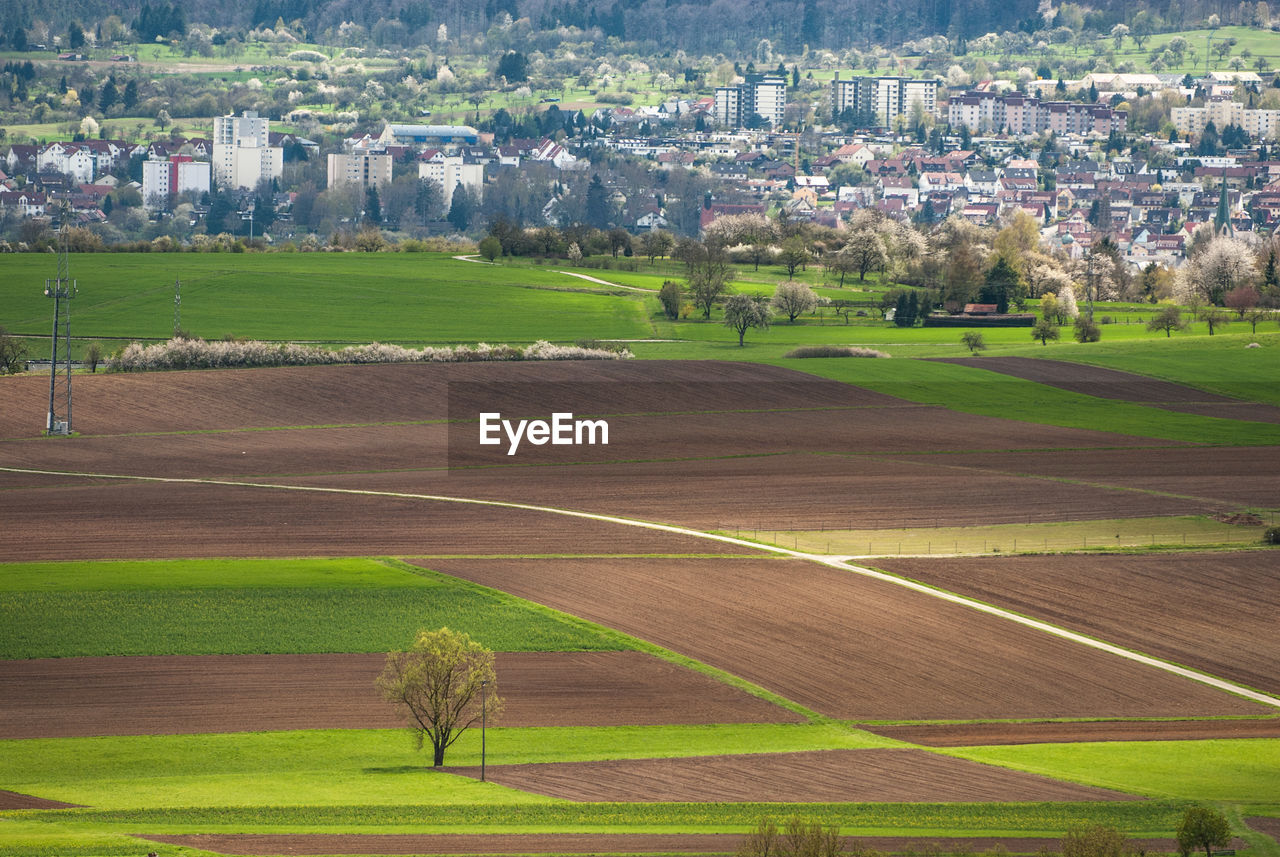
{"x": 832, "y": 562}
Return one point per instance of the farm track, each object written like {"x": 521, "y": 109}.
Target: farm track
{"x": 76, "y": 697}
{"x": 633, "y": 844}
{"x": 1125, "y": 386}
{"x": 820, "y": 776}
{"x": 1214, "y": 611}
{"x": 846, "y": 645}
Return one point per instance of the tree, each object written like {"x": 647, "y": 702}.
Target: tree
{"x": 597, "y": 213}
{"x": 1003, "y": 285}
{"x": 1099, "y": 841}
{"x": 514, "y": 66}
{"x": 490, "y": 248}
{"x": 619, "y": 239}
{"x": 1241, "y": 299}
{"x": 794, "y": 255}
{"x": 1255, "y": 315}
{"x": 1044, "y": 330}
{"x": 791, "y": 299}
{"x": 75, "y": 35}
{"x": 372, "y": 204}
{"x": 462, "y": 208}
{"x": 656, "y": 242}
{"x": 1086, "y": 330}
{"x": 743, "y": 313}
{"x": 1213, "y": 317}
{"x": 12, "y": 350}
{"x": 437, "y": 683}
{"x": 1168, "y": 319}
{"x": 708, "y": 273}
{"x": 798, "y": 840}
{"x": 93, "y": 356}
{"x": 1205, "y": 828}
{"x": 973, "y": 340}
{"x": 840, "y": 263}
{"x": 670, "y": 297}
{"x": 866, "y": 250}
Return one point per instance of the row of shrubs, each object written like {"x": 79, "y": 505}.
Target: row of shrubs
{"x": 834, "y": 351}
{"x": 182, "y": 353}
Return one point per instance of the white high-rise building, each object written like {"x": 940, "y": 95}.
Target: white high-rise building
{"x": 242, "y": 154}
{"x": 759, "y": 95}
{"x": 179, "y": 174}
{"x": 451, "y": 172}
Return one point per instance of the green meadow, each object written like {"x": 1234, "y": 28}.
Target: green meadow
{"x": 192, "y": 607}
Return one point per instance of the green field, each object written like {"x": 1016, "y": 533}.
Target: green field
{"x": 193, "y": 607}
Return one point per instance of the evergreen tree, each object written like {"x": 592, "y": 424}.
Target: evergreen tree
{"x": 130, "y": 99}
{"x": 19, "y": 39}
{"x": 109, "y": 95}
{"x": 597, "y": 213}
{"x": 75, "y": 35}
{"x": 372, "y": 205}
{"x": 462, "y": 209}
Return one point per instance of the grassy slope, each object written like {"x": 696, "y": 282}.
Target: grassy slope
{"x": 261, "y": 606}
{"x": 1221, "y": 770}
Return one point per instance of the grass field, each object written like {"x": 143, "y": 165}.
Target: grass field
{"x": 1225, "y": 770}
{"x": 261, "y": 606}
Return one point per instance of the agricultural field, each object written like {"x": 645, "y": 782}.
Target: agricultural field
{"x": 198, "y": 588}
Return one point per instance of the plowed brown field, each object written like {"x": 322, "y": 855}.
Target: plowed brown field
{"x": 975, "y": 734}
{"x": 814, "y": 777}
{"x": 636, "y": 844}
{"x": 1214, "y": 612}
{"x": 72, "y": 697}
{"x": 846, "y": 645}
{"x": 14, "y": 800}
{"x": 121, "y": 520}
{"x": 1219, "y": 477}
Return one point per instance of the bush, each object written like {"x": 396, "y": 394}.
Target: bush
{"x": 185, "y": 353}
{"x": 833, "y": 351}
{"x": 1086, "y": 330}
{"x": 1271, "y": 536}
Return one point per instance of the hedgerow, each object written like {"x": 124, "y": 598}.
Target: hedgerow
{"x": 183, "y": 353}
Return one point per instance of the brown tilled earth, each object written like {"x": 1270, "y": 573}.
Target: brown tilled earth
{"x": 821, "y": 776}
{"x": 635, "y": 844}
{"x": 72, "y": 697}
{"x": 1115, "y": 384}
{"x": 846, "y": 645}
{"x": 1214, "y": 612}
{"x": 14, "y": 800}
{"x": 1050, "y": 732}
{"x": 1218, "y": 477}
{"x": 1263, "y": 824}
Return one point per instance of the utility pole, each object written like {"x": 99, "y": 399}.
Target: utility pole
{"x": 177, "y": 306}
{"x": 61, "y": 290}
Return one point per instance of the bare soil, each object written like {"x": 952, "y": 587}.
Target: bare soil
{"x": 977, "y": 734}
{"x": 1262, "y": 824}
{"x": 1214, "y": 611}
{"x": 1216, "y": 477}
{"x": 111, "y": 519}
{"x": 636, "y": 844}
{"x": 73, "y": 697}
{"x": 849, "y": 646}
{"x": 1115, "y": 384}
{"x": 14, "y": 800}
{"x": 820, "y": 776}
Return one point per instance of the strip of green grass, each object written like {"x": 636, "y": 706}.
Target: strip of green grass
{"x": 194, "y": 607}
{"x": 1221, "y": 770}
{"x": 339, "y": 767}
{"x": 1137, "y": 818}
{"x": 400, "y": 297}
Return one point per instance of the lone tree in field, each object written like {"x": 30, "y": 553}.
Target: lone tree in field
{"x": 1098, "y": 841}
{"x": 1205, "y": 828}
{"x": 973, "y": 341}
{"x": 438, "y": 685}
{"x": 1168, "y": 319}
{"x": 743, "y": 313}
{"x": 1044, "y": 330}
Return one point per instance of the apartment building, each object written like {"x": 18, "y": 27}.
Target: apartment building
{"x": 761, "y": 95}
{"x": 1222, "y": 111}
{"x": 988, "y": 112}
{"x": 242, "y": 154}
{"x": 881, "y": 100}
{"x": 363, "y": 167}
{"x": 162, "y": 179}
